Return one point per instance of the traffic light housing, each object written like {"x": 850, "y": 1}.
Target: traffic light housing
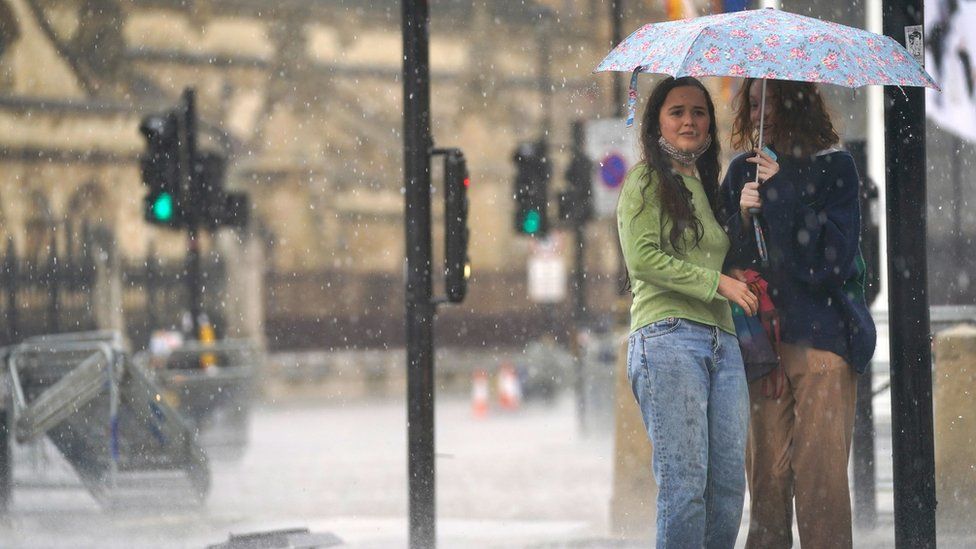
{"x": 456, "y": 262}
{"x": 180, "y": 197}
{"x": 160, "y": 164}
{"x": 532, "y": 174}
{"x": 576, "y": 201}
{"x": 217, "y": 207}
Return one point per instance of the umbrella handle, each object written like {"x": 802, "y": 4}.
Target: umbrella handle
{"x": 762, "y": 122}
{"x": 760, "y": 242}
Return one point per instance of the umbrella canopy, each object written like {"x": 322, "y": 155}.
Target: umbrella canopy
{"x": 770, "y": 44}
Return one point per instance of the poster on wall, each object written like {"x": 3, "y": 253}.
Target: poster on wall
{"x": 950, "y": 57}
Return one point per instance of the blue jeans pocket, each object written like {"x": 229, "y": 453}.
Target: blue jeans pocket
{"x": 660, "y": 328}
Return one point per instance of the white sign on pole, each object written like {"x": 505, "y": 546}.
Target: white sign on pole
{"x": 547, "y": 273}
{"x": 950, "y": 57}
{"x": 613, "y": 149}
{"x": 547, "y": 279}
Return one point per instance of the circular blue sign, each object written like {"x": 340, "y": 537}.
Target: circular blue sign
{"x": 612, "y": 170}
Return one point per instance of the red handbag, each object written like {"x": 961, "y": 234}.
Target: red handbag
{"x": 774, "y": 382}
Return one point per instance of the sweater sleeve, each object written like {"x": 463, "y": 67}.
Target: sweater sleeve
{"x": 825, "y": 234}
{"x": 639, "y": 223}
{"x": 743, "y": 252}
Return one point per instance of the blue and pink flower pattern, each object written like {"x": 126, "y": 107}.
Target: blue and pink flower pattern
{"x": 767, "y": 43}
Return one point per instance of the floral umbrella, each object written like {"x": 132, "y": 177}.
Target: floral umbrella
{"x": 768, "y": 44}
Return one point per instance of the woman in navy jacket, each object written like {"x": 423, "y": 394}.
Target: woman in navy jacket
{"x": 802, "y": 415}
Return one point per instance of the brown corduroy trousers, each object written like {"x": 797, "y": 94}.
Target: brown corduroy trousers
{"x": 798, "y": 448}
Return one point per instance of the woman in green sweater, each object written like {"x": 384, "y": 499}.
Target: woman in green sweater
{"x": 683, "y": 358}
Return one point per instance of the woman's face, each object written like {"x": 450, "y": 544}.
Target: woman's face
{"x": 755, "y": 101}
{"x": 684, "y": 118}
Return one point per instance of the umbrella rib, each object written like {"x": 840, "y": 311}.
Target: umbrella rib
{"x": 691, "y": 48}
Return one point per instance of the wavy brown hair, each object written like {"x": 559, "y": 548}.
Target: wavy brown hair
{"x": 801, "y": 124}
{"x": 674, "y": 197}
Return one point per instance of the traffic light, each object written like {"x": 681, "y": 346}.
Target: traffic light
{"x": 217, "y": 207}
{"x": 178, "y": 197}
{"x": 532, "y": 173}
{"x": 576, "y": 202}
{"x": 456, "y": 263}
{"x": 163, "y": 204}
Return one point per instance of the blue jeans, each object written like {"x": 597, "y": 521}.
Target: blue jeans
{"x": 691, "y": 388}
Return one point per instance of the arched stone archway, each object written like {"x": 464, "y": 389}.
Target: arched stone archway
{"x": 86, "y": 208}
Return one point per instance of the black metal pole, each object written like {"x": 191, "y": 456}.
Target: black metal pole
{"x": 579, "y": 181}
{"x": 579, "y": 276}
{"x": 913, "y": 448}
{"x": 191, "y": 205}
{"x": 419, "y": 306}
{"x": 194, "y": 279}
{"x": 545, "y": 79}
{"x": 579, "y": 175}
{"x": 616, "y": 35}
{"x": 152, "y": 320}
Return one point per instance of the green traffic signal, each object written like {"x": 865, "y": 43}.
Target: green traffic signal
{"x": 532, "y": 222}
{"x": 162, "y": 207}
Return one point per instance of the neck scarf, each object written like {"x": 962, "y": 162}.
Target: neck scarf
{"x": 681, "y": 157}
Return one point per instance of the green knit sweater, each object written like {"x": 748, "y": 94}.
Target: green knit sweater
{"x": 667, "y": 283}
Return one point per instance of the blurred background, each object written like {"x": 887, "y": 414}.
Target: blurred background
{"x": 304, "y": 100}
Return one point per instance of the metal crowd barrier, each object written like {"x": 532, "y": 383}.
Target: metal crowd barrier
{"x": 105, "y": 416}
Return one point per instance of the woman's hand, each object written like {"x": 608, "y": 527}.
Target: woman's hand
{"x": 738, "y": 292}
{"x": 749, "y": 200}
{"x": 766, "y": 166}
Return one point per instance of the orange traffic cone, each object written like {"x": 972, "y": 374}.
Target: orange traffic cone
{"x": 509, "y": 388}
{"x": 479, "y": 394}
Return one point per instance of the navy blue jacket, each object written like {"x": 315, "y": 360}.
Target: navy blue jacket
{"x": 811, "y": 219}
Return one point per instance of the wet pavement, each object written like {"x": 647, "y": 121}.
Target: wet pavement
{"x": 513, "y": 478}
{"x": 525, "y": 478}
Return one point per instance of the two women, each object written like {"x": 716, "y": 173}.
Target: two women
{"x": 683, "y": 358}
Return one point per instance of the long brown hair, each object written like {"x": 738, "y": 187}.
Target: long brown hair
{"x": 801, "y": 124}
{"x": 674, "y": 197}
